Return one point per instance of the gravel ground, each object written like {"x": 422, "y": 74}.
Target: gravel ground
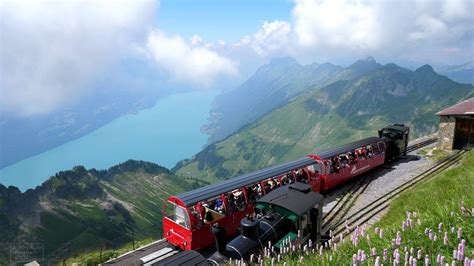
{"x": 385, "y": 179}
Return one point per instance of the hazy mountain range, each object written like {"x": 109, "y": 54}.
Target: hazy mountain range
{"x": 463, "y": 73}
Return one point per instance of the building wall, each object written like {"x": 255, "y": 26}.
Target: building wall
{"x": 447, "y": 125}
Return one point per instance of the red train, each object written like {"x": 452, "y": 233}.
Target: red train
{"x": 188, "y": 217}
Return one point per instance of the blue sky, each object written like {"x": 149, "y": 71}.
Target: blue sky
{"x": 214, "y": 20}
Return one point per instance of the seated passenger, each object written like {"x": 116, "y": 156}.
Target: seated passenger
{"x": 231, "y": 203}
{"x": 219, "y": 207}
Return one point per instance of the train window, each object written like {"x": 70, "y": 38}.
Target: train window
{"x": 382, "y": 147}
{"x": 177, "y": 214}
{"x": 304, "y": 221}
{"x": 376, "y": 149}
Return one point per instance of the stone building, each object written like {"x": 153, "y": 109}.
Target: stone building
{"x": 456, "y": 126}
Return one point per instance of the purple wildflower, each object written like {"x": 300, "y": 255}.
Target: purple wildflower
{"x": 440, "y": 227}
{"x": 438, "y": 259}
{"x": 354, "y": 259}
{"x": 404, "y": 225}
{"x": 459, "y": 232}
{"x": 418, "y": 254}
{"x": 381, "y": 233}
{"x": 374, "y": 252}
{"x": 427, "y": 260}
{"x": 377, "y": 261}
{"x": 385, "y": 254}
{"x": 396, "y": 262}
{"x": 445, "y": 238}
{"x": 397, "y": 256}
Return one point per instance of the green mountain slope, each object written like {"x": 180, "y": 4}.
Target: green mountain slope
{"x": 271, "y": 86}
{"x": 337, "y": 113}
{"x": 81, "y": 208}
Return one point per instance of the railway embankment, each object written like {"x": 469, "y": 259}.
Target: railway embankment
{"x": 431, "y": 223}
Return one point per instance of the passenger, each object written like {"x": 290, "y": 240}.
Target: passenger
{"x": 370, "y": 151}
{"x": 200, "y": 210}
{"x": 240, "y": 202}
{"x": 252, "y": 196}
{"x": 276, "y": 182}
{"x": 219, "y": 207}
{"x": 232, "y": 204}
{"x": 304, "y": 176}
{"x": 344, "y": 159}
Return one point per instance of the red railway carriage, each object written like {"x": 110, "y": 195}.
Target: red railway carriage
{"x": 188, "y": 217}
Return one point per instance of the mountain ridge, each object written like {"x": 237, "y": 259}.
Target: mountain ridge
{"x": 341, "y": 111}
{"x": 83, "y": 207}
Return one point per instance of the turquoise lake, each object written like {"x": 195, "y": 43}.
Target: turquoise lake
{"x": 164, "y": 134}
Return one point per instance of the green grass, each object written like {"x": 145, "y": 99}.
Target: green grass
{"x": 434, "y": 153}
{"x": 435, "y": 201}
{"x": 97, "y": 256}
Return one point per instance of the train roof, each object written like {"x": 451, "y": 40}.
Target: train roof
{"x": 194, "y": 196}
{"x": 297, "y": 198}
{"x": 184, "y": 258}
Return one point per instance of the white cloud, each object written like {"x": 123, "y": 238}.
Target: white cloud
{"x": 272, "y": 37}
{"x": 51, "y": 50}
{"x": 329, "y": 29}
{"x": 195, "y": 63}
{"x": 336, "y": 23}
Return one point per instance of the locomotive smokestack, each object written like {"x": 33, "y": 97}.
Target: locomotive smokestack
{"x": 219, "y": 234}
{"x": 249, "y": 227}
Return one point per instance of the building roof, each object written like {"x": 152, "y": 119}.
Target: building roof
{"x": 297, "y": 198}
{"x": 194, "y": 196}
{"x": 463, "y": 108}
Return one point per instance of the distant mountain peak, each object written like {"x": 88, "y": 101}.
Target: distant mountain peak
{"x": 369, "y": 59}
{"x": 425, "y": 69}
{"x": 286, "y": 60}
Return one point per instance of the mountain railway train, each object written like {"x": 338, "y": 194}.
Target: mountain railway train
{"x": 189, "y": 217}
